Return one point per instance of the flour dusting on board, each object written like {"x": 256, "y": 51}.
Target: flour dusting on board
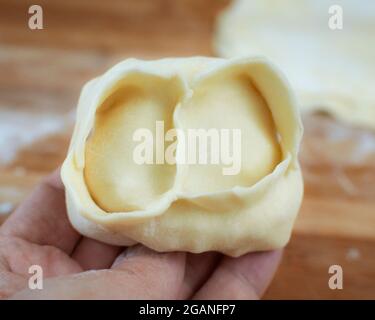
{"x": 19, "y": 129}
{"x": 6, "y": 207}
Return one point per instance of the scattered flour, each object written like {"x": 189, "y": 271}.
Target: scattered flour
{"x": 353, "y": 254}
{"x": 6, "y": 208}
{"x": 18, "y": 129}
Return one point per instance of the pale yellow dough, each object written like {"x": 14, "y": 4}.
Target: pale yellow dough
{"x": 185, "y": 207}
{"x": 330, "y": 70}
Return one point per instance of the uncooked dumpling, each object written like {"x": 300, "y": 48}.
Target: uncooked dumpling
{"x": 331, "y": 70}
{"x": 184, "y": 205}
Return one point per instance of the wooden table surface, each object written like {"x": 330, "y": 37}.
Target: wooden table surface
{"x": 42, "y": 72}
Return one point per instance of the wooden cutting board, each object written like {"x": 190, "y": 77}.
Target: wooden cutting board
{"x": 42, "y": 72}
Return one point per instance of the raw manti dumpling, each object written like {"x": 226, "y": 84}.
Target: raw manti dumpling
{"x": 330, "y": 70}
{"x": 191, "y": 208}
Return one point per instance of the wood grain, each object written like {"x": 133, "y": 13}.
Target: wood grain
{"x": 43, "y": 71}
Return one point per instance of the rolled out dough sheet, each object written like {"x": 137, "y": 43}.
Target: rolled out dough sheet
{"x": 331, "y": 70}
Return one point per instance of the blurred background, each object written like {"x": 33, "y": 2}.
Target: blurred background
{"x": 43, "y": 71}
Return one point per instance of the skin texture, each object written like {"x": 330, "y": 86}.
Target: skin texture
{"x": 76, "y": 267}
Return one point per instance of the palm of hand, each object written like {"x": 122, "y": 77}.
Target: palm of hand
{"x": 75, "y": 267}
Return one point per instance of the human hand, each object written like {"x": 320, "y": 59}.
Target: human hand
{"x": 76, "y": 267}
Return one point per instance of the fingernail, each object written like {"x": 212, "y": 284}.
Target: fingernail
{"x": 133, "y": 251}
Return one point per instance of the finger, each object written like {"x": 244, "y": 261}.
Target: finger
{"x": 246, "y": 277}
{"x": 198, "y": 269}
{"x": 18, "y": 255}
{"x": 10, "y": 283}
{"x": 152, "y": 275}
{"x": 139, "y": 273}
{"x": 42, "y": 217}
{"x": 95, "y": 255}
